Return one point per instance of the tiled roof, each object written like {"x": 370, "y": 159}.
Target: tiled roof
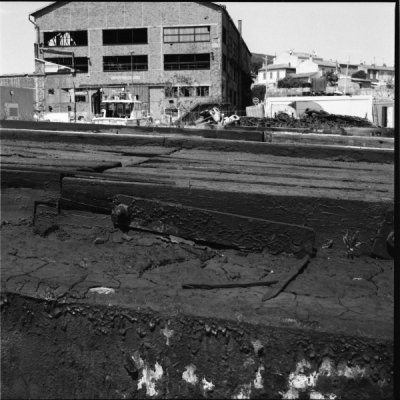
{"x": 377, "y": 67}
{"x": 271, "y": 67}
{"x": 325, "y": 63}
{"x": 301, "y": 55}
{"x": 304, "y": 75}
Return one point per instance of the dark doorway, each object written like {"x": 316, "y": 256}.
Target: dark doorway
{"x": 384, "y": 117}
{"x": 96, "y": 100}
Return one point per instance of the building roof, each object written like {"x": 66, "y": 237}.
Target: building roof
{"x": 325, "y": 63}
{"x": 303, "y": 75}
{"x": 44, "y": 9}
{"x": 271, "y": 67}
{"x": 300, "y": 54}
{"x": 377, "y": 67}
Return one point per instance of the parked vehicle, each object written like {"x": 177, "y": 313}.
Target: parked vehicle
{"x": 122, "y": 109}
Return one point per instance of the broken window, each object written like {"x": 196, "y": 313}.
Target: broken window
{"x": 187, "y": 91}
{"x": 173, "y": 62}
{"x": 65, "y": 38}
{"x": 202, "y": 91}
{"x": 51, "y": 91}
{"x": 187, "y": 34}
{"x": 125, "y": 63}
{"x": 125, "y": 36}
{"x": 80, "y": 63}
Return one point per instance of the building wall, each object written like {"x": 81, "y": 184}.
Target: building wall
{"x": 96, "y": 16}
{"x": 16, "y": 102}
{"x": 286, "y": 58}
{"x": 307, "y": 66}
{"x": 26, "y": 81}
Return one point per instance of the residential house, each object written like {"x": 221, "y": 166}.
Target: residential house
{"x": 293, "y": 58}
{"x": 379, "y": 74}
{"x": 316, "y": 65}
{"x": 276, "y": 72}
{"x": 348, "y": 68}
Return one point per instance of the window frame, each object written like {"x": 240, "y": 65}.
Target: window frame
{"x": 77, "y": 60}
{"x": 178, "y": 65}
{"x": 129, "y": 58}
{"x": 132, "y": 42}
{"x": 179, "y": 34}
{"x": 195, "y": 91}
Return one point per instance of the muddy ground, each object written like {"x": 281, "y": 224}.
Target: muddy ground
{"x": 89, "y": 311}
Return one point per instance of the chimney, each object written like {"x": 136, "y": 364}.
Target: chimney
{"x": 240, "y": 26}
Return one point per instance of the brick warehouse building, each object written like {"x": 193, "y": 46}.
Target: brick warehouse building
{"x": 163, "y": 52}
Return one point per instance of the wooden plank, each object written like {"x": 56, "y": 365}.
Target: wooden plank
{"x": 331, "y": 152}
{"x": 329, "y": 213}
{"x": 217, "y": 228}
{"x": 89, "y": 165}
{"x": 266, "y": 179}
{"x": 343, "y": 153}
{"x": 239, "y": 158}
{"x": 329, "y": 139}
{"x": 30, "y": 178}
{"x": 367, "y": 176}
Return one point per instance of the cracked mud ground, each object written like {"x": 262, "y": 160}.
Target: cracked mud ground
{"x": 336, "y": 308}
{"x": 91, "y": 312}
{"x": 150, "y": 268}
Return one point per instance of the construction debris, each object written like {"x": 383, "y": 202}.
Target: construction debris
{"x": 315, "y": 120}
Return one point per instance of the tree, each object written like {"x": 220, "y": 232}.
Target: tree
{"x": 289, "y": 82}
{"x": 331, "y": 78}
{"x": 359, "y": 74}
{"x": 258, "y": 91}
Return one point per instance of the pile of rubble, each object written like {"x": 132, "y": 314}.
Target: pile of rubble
{"x": 215, "y": 117}
{"x": 311, "y": 119}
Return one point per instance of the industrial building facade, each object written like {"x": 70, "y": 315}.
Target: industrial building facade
{"x": 168, "y": 54}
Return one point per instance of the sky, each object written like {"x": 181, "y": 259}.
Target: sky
{"x": 345, "y": 31}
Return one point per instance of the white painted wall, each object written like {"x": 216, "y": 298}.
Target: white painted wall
{"x": 286, "y": 58}
{"x": 307, "y": 66}
{"x": 358, "y": 106}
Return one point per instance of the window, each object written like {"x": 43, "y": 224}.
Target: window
{"x": 50, "y": 91}
{"x": 65, "y": 38}
{"x": 187, "y": 91}
{"x": 223, "y": 35}
{"x": 125, "y": 36}
{"x": 264, "y": 75}
{"x": 173, "y": 62}
{"x": 80, "y": 63}
{"x": 125, "y": 63}
{"x": 79, "y": 98}
{"x": 202, "y": 91}
{"x": 187, "y": 34}
{"x": 270, "y": 75}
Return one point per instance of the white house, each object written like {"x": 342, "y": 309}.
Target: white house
{"x": 293, "y": 58}
{"x": 276, "y": 72}
{"x": 316, "y": 65}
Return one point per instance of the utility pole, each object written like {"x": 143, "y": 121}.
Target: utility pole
{"x": 347, "y": 72}
{"x": 132, "y": 53}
